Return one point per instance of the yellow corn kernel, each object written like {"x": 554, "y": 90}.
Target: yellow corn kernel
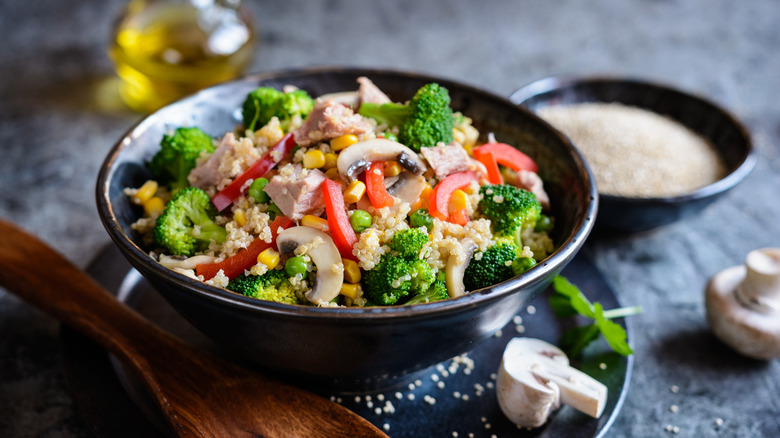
{"x": 459, "y": 200}
{"x": 145, "y": 192}
{"x": 331, "y": 160}
{"x": 351, "y": 271}
{"x": 343, "y": 141}
{"x": 426, "y": 193}
{"x": 239, "y": 217}
{"x": 392, "y": 168}
{"x": 349, "y": 290}
{"x": 468, "y": 148}
{"x": 269, "y": 257}
{"x": 313, "y": 159}
{"x": 154, "y": 206}
{"x": 315, "y": 222}
{"x": 422, "y": 201}
{"x": 354, "y": 191}
{"x": 333, "y": 173}
{"x": 458, "y": 136}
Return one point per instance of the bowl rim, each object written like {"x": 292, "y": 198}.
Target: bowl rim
{"x": 563, "y": 254}
{"x": 545, "y": 85}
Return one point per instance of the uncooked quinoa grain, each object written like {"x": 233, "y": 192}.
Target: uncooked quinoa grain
{"x": 635, "y": 152}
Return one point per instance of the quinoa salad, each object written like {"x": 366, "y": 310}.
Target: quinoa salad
{"x": 345, "y": 199}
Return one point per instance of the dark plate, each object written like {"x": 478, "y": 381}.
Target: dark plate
{"x": 111, "y": 401}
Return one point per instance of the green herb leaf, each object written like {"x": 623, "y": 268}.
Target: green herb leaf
{"x": 613, "y": 333}
{"x": 574, "y": 340}
{"x": 569, "y": 301}
{"x": 577, "y": 300}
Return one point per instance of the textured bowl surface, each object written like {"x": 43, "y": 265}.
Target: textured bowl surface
{"x": 724, "y": 131}
{"x": 349, "y": 348}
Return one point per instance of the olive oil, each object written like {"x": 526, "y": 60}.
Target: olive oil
{"x": 163, "y": 50}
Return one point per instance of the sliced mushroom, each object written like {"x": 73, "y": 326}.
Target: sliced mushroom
{"x": 359, "y": 156}
{"x": 456, "y": 268}
{"x": 324, "y": 254}
{"x": 407, "y": 187}
{"x": 535, "y": 378}
{"x": 743, "y": 305}
{"x": 174, "y": 262}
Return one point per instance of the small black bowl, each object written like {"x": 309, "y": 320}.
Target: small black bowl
{"x": 724, "y": 131}
{"x": 349, "y": 348}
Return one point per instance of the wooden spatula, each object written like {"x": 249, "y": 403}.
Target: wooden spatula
{"x": 198, "y": 393}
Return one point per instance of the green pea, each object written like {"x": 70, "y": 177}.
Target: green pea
{"x": 522, "y": 264}
{"x": 256, "y": 191}
{"x": 273, "y": 210}
{"x": 421, "y": 218}
{"x": 295, "y": 265}
{"x": 544, "y": 223}
{"x": 360, "y": 220}
{"x": 390, "y": 136}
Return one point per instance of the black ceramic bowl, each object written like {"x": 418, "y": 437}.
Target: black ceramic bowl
{"x": 349, "y": 348}
{"x": 725, "y": 132}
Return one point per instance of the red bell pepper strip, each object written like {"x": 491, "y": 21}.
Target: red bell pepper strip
{"x": 489, "y": 160}
{"x": 440, "y": 197}
{"x": 340, "y": 229}
{"x": 508, "y": 156}
{"x": 459, "y": 216}
{"x": 224, "y": 198}
{"x": 375, "y": 186}
{"x": 235, "y": 265}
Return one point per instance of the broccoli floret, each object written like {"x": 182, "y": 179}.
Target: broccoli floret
{"x": 187, "y": 223}
{"x": 437, "y": 291}
{"x": 510, "y": 209}
{"x": 400, "y": 272}
{"x": 265, "y": 103}
{"x": 271, "y": 286}
{"x": 493, "y": 267}
{"x": 425, "y": 121}
{"x": 430, "y": 121}
{"x": 423, "y": 276}
{"x": 388, "y": 282}
{"x": 177, "y": 155}
{"x": 408, "y": 243}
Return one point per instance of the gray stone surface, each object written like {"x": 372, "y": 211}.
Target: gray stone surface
{"x": 59, "y": 115}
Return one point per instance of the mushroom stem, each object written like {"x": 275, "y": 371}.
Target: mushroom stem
{"x": 761, "y": 288}
{"x": 743, "y": 305}
{"x": 577, "y": 389}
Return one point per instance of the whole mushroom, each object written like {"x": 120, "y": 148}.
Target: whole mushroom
{"x": 743, "y": 305}
{"x": 535, "y": 378}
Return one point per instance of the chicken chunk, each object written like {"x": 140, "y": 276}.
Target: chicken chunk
{"x": 297, "y": 191}
{"x": 330, "y": 119}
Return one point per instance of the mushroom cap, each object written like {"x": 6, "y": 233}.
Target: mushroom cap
{"x": 524, "y": 399}
{"x": 749, "y": 332}
{"x": 324, "y": 254}
{"x": 357, "y": 157}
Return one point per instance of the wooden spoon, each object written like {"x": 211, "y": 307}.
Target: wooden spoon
{"x": 199, "y": 393}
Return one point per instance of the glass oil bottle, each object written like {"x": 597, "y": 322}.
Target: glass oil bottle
{"x": 165, "y": 49}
